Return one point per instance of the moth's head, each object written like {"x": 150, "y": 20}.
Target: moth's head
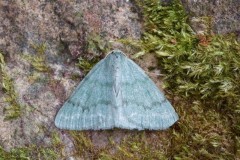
{"x": 116, "y": 54}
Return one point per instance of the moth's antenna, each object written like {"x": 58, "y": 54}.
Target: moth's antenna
{"x": 115, "y": 50}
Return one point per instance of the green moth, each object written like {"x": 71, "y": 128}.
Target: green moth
{"x": 116, "y": 93}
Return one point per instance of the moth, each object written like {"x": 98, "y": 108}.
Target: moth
{"x": 116, "y": 93}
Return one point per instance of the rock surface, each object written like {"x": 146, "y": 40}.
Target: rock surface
{"x": 224, "y": 15}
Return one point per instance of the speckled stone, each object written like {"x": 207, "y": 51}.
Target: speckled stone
{"x": 224, "y": 13}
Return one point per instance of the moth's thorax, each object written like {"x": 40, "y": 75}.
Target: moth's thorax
{"x": 117, "y": 60}
{"x": 116, "y": 54}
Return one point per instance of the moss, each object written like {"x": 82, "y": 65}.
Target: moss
{"x": 86, "y": 65}
{"x": 135, "y": 145}
{"x": 31, "y": 152}
{"x": 96, "y": 47}
{"x": 139, "y": 146}
{"x": 20, "y": 153}
{"x": 83, "y": 144}
{"x": 200, "y": 66}
{"x": 38, "y": 61}
{"x": 34, "y": 151}
{"x": 201, "y": 134}
{"x": 13, "y": 110}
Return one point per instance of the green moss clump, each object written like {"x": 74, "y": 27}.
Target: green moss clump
{"x": 94, "y": 49}
{"x": 38, "y": 61}
{"x": 86, "y": 65}
{"x": 135, "y": 145}
{"x": 31, "y": 152}
{"x": 140, "y": 146}
{"x": 97, "y": 45}
{"x": 202, "y": 67}
{"x": 34, "y": 151}
{"x": 83, "y": 145}
{"x": 13, "y": 110}
{"x": 201, "y": 134}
